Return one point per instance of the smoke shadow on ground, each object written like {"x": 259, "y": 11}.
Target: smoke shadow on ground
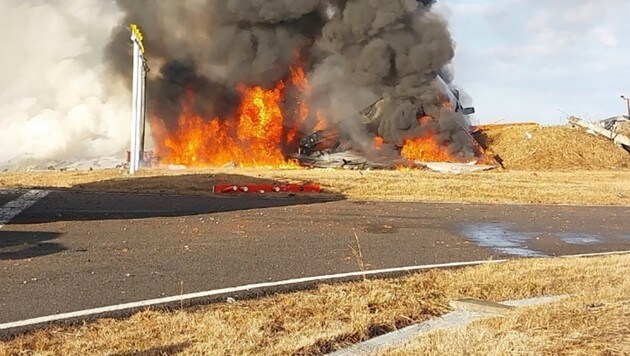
{"x": 21, "y": 245}
{"x": 155, "y": 197}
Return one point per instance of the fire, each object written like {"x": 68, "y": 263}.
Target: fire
{"x": 300, "y": 83}
{"x": 267, "y": 124}
{"x": 260, "y": 127}
{"x": 379, "y": 142}
{"x": 322, "y": 121}
{"x": 255, "y": 138}
{"x": 426, "y": 149}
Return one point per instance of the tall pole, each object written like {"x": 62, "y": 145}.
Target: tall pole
{"x": 627, "y": 103}
{"x": 139, "y": 106}
{"x": 138, "y": 87}
{"x": 145, "y": 70}
{"x": 134, "y": 93}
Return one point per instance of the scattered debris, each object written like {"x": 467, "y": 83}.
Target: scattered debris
{"x": 350, "y": 159}
{"x": 29, "y": 163}
{"x": 619, "y": 124}
{"x": 266, "y": 188}
{"x": 613, "y": 129}
{"x": 396, "y": 132}
{"x": 457, "y": 168}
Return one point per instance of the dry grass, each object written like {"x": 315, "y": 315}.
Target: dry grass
{"x": 536, "y": 148}
{"x": 573, "y": 187}
{"x": 595, "y": 322}
{"x": 317, "y": 321}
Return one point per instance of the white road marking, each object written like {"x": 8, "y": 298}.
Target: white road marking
{"x": 13, "y": 208}
{"x": 227, "y": 291}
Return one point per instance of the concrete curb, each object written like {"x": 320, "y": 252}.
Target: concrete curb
{"x": 453, "y": 320}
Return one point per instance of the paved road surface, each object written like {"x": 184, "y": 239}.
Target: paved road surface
{"x": 73, "y": 251}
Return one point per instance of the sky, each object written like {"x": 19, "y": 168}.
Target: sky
{"x": 540, "y": 61}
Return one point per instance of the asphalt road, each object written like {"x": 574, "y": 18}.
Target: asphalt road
{"x": 73, "y": 251}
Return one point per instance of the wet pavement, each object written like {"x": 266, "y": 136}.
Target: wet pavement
{"x": 7, "y": 196}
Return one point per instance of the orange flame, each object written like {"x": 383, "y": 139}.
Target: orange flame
{"x": 254, "y": 139}
{"x": 299, "y": 81}
{"x": 379, "y": 142}
{"x": 427, "y": 148}
{"x": 322, "y": 121}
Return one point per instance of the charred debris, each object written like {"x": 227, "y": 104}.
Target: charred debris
{"x": 388, "y": 125}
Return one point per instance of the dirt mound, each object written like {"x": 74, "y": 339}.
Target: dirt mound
{"x": 533, "y": 147}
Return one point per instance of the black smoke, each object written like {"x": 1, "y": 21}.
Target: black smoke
{"x": 354, "y": 51}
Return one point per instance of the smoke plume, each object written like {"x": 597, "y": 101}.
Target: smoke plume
{"x": 67, "y": 75}
{"x": 55, "y": 100}
{"x": 354, "y": 51}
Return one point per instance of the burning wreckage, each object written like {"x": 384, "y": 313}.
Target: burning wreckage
{"x": 279, "y": 84}
{"x": 392, "y": 133}
{"x": 406, "y": 133}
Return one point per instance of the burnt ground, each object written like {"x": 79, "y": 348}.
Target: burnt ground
{"x": 73, "y": 251}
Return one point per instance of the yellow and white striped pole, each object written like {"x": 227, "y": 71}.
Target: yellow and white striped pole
{"x": 138, "y": 88}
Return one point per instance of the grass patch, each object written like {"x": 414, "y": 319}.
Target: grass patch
{"x": 525, "y": 187}
{"x": 334, "y": 316}
{"x": 594, "y": 322}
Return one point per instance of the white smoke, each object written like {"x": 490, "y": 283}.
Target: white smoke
{"x": 55, "y": 101}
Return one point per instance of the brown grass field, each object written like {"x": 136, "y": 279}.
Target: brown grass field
{"x": 593, "y": 323}
{"x": 593, "y": 319}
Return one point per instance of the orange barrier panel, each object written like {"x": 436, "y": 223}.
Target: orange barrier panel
{"x": 266, "y": 188}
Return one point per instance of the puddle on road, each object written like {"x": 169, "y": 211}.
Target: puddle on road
{"x": 579, "y": 239}
{"x": 501, "y": 238}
